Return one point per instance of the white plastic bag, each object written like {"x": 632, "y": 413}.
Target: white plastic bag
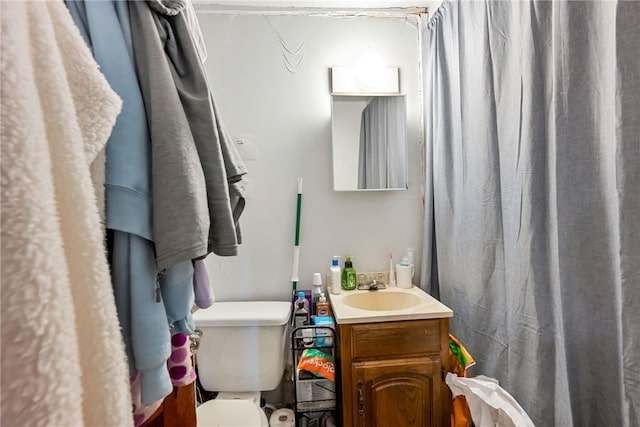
{"x": 490, "y": 405}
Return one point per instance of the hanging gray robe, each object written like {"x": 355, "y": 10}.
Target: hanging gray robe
{"x": 194, "y": 160}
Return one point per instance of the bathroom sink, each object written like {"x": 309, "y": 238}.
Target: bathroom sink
{"x": 376, "y": 300}
{"x": 386, "y": 305}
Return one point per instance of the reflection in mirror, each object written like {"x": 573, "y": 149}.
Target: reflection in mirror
{"x": 369, "y": 141}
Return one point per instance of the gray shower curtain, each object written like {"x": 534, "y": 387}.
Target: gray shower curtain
{"x": 382, "y": 160}
{"x": 532, "y": 224}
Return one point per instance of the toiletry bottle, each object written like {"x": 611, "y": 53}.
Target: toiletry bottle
{"x": 323, "y": 308}
{"x": 336, "y": 275}
{"x": 317, "y": 289}
{"x": 348, "y": 275}
{"x": 301, "y": 311}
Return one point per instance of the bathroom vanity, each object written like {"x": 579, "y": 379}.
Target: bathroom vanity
{"x": 393, "y": 354}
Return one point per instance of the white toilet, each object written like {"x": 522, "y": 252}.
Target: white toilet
{"x": 242, "y": 352}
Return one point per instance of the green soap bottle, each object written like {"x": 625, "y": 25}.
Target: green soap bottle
{"x": 348, "y": 275}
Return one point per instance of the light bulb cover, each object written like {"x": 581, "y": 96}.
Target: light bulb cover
{"x": 370, "y": 70}
{"x": 346, "y": 81}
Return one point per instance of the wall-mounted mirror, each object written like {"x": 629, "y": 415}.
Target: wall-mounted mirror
{"x": 369, "y": 140}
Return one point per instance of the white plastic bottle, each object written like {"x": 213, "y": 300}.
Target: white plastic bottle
{"x": 336, "y": 275}
{"x": 317, "y": 289}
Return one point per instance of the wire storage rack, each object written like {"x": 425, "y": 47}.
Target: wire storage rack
{"x": 314, "y": 348}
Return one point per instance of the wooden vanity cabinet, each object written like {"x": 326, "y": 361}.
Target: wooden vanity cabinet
{"x": 392, "y": 373}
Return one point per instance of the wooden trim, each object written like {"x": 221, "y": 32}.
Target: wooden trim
{"x": 177, "y": 410}
{"x": 345, "y": 352}
{"x": 445, "y": 392}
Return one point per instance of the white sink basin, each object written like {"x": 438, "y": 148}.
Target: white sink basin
{"x": 381, "y": 301}
{"x": 385, "y": 305}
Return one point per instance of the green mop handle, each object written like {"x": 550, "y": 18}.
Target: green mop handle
{"x": 296, "y": 247}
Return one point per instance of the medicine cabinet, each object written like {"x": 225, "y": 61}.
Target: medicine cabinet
{"x": 369, "y": 142}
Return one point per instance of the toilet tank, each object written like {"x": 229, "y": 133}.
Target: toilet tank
{"x": 243, "y": 345}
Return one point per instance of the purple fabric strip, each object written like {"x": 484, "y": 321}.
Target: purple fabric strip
{"x": 204, "y": 297}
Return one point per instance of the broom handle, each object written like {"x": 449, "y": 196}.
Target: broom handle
{"x": 296, "y": 247}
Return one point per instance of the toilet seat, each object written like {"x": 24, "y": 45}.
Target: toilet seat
{"x": 231, "y": 413}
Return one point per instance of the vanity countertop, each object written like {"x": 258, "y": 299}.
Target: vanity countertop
{"x": 384, "y": 305}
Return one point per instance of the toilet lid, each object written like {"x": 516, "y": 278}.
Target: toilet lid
{"x": 230, "y": 413}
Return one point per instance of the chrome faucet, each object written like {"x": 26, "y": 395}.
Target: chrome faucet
{"x": 374, "y": 285}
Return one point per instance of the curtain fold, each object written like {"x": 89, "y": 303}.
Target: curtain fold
{"x": 383, "y": 140}
{"x": 532, "y": 202}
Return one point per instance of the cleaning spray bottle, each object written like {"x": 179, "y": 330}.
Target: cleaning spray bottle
{"x": 301, "y": 311}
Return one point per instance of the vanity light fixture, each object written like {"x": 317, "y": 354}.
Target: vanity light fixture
{"x": 370, "y": 70}
{"x": 370, "y": 76}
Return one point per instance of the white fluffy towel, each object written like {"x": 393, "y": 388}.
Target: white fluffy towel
{"x": 63, "y": 360}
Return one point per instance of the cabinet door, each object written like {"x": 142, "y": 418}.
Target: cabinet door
{"x": 398, "y": 392}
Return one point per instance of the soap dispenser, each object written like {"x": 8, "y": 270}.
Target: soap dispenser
{"x": 349, "y": 279}
{"x": 323, "y": 308}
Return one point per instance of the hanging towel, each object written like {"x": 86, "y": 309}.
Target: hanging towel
{"x": 63, "y": 360}
{"x": 142, "y": 314}
{"x": 106, "y": 30}
{"x": 235, "y": 169}
{"x": 169, "y": 68}
{"x": 181, "y": 213}
{"x": 145, "y": 311}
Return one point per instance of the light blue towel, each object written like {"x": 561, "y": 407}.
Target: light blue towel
{"x": 106, "y": 29}
{"x": 144, "y": 311}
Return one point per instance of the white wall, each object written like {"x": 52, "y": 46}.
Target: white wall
{"x": 287, "y": 117}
